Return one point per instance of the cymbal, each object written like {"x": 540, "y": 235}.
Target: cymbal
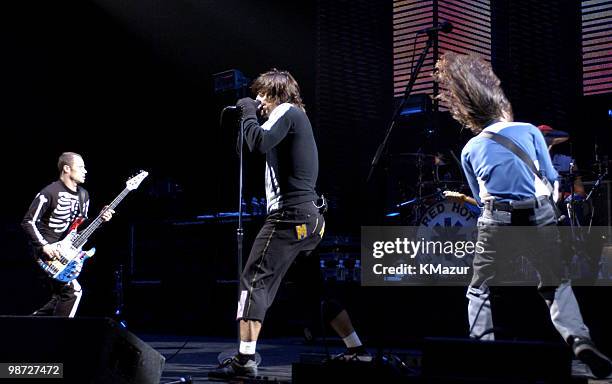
{"x": 442, "y": 182}
{"x": 576, "y": 173}
{"x": 555, "y": 140}
{"x": 554, "y": 136}
{"x": 414, "y": 155}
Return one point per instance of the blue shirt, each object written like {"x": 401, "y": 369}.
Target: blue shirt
{"x": 493, "y": 170}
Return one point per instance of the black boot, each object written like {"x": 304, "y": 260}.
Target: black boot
{"x": 585, "y": 351}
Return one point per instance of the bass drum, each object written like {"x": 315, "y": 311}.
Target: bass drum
{"x": 449, "y": 231}
{"x": 449, "y": 214}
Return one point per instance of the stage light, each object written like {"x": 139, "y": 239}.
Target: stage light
{"x": 416, "y": 104}
{"x": 229, "y": 80}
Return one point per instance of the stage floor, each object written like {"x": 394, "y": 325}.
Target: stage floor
{"x": 196, "y": 356}
{"x": 199, "y": 355}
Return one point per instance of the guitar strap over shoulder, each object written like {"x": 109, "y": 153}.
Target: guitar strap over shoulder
{"x": 520, "y": 153}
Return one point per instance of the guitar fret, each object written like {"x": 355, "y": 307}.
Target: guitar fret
{"x": 83, "y": 236}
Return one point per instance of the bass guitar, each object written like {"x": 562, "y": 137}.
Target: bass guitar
{"x": 68, "y": 265}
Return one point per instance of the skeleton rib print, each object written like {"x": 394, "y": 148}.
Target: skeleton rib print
{"x": 65, "y": 212}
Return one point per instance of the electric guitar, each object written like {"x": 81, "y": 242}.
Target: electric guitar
{"x": 459, "y": 197}
{"x": 68, "y": 265}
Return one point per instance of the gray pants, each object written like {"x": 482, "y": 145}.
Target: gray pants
{"x": 541, "y": 247}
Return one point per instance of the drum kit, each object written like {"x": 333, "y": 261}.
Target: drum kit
{"x": 585, "y": 227}
{"x": 435, "y": 174}
{"x": 423, "y": 201}
{"x": 422, "y": 205}
{"x": 575, "y": 201}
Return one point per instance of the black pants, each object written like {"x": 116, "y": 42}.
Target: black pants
{"x": 285, "y": 234}
{"x": 65, "y": 297}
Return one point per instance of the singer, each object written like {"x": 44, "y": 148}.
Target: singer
{"x": 509, "y": 171}
{"x": 295, "y": 222}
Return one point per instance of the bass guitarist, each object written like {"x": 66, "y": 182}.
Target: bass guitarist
{"x": 49, "y": 219}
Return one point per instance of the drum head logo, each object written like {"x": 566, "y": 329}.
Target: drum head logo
{"x": 449, "y": 214}
{"x": 445, "y": 222}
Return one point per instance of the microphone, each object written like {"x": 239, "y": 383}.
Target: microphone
{"x": 234, "y": 108}
{"x": 444, "y": 26}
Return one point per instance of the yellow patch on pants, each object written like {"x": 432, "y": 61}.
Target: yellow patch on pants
{"x": 301, "y": 231}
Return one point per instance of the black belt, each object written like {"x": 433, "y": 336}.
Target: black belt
{"x": 502, "y": 206}
{"x": 509, "y": 206}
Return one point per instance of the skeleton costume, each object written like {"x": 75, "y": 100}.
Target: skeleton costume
{"x": 47, "y": 221}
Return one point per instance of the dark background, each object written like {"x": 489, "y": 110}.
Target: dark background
{"x": 129, "y": 85}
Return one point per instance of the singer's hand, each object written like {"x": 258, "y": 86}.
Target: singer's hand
{"x": 248, "y": 107}
{"x": 260, "y": 100}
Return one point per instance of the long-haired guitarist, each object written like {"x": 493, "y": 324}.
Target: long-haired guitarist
{"x": 510, "y": 173}
{"x": 49, "y": 219}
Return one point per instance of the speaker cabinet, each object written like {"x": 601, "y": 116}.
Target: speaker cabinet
{"x": 92, "y": 350}
{"x": 497, "y": 361}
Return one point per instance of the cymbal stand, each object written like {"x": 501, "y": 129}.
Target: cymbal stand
{"x": 571, "y": 212}
{"x": 577, "y": 235}
{"x": 436, "y": 172}
{"x": 418, "y": 204}
{"x": 602, "y": 171}
{"x": 418, "y": 207}
{"x": 594, "y": 189}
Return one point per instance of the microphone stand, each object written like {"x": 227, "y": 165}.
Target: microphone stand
{"x": 407, "y": 91}
{"x": 596, "y": 185}
{"x": 239, "y": 240}
{"x": 240, "y": 229}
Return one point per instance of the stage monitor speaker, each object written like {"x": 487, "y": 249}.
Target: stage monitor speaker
{"x": 496, "y": 361}
{"x": 92, "y": 350}
{"x": 317, "y": 368}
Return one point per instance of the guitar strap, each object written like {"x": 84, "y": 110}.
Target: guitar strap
{"x": 512, "y": 147}
{"x": 521, "y": 154}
